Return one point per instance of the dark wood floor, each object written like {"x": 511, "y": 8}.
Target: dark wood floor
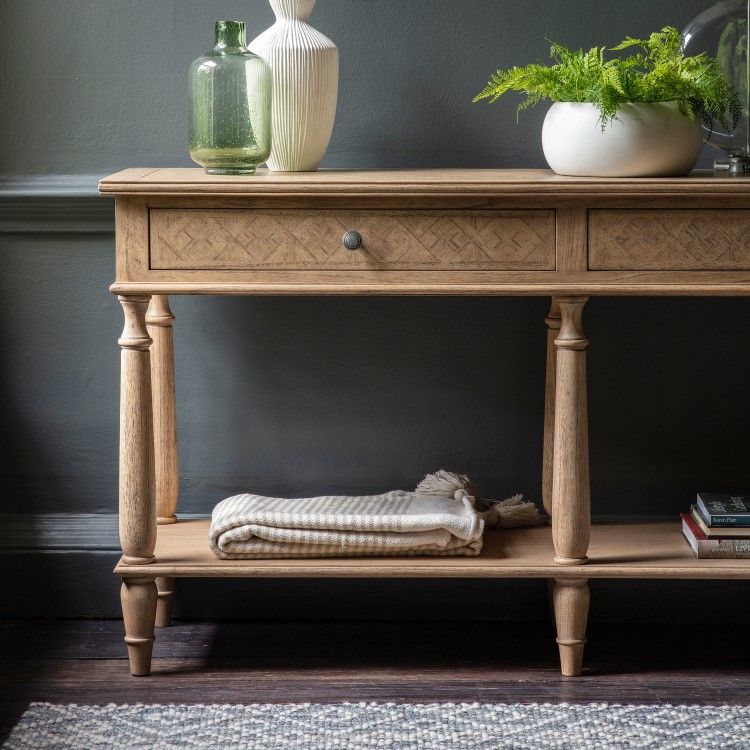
{"x": 84, "y": 662}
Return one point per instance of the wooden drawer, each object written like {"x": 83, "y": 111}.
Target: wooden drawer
{"x": 669, "y": 240}
{"x": 271, "y": 239}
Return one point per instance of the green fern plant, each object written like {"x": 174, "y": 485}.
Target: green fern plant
{"x": 656, "y": 71}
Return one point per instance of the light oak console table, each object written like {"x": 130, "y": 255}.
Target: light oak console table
{"x": 428, "y": 232}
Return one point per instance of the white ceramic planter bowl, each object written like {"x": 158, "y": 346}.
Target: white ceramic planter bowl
{"x": 646, "y": 140}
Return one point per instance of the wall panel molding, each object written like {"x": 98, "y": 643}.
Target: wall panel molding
{"x": 55, "y": 204}
{"x": 98, "y": 532}
{"x": 71, "y": 532}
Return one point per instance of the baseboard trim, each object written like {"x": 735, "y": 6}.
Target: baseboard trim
{"x": 69, "y": 532}
{"x": 98, "y": 532}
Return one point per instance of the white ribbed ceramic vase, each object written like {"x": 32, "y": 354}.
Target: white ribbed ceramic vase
{"x": 305, "y": 66}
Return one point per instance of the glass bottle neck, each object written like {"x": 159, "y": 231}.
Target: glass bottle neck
{"x": 230, "y": 35}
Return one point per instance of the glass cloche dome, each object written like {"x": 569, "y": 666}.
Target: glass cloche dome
{"x": 723, "y": 31}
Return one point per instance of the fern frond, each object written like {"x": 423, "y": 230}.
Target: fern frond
{"x": 658, "y": 71}
{"x": 612, "y": 75}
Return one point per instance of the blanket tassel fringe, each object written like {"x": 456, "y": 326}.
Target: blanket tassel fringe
{"x": 502, "y": 514}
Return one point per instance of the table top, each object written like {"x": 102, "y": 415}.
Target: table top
{"x": 182, "y": 231}
{"x": 405, "y": 181}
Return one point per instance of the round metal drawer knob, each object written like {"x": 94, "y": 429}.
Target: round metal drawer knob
{"x": 352, "y": 240}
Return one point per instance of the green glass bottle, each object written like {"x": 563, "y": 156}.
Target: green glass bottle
{"x": 230, "y": 92}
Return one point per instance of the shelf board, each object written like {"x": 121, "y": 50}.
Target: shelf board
{"x": 618, "y": 550}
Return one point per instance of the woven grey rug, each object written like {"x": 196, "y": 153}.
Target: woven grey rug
{"x": 371, "y": 726}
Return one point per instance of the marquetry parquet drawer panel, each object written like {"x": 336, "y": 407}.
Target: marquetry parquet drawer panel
{"x": 281, "y": 239}
{"x": 669, "y": 240}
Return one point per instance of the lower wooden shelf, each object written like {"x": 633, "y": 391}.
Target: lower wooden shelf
{"x": 638, "y": 550}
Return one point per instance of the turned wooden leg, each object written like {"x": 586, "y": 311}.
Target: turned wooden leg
{"x": 553, "y": 322}
{"x": 551, "y": 599}
{"x": 137, "y": 498}
{"x": 571, "y": 599}
{"x": 159, "y": 320}
{"x": 571, "y": 502}
{"x": 138, "y": 597}
{"x": 165, "y": 589}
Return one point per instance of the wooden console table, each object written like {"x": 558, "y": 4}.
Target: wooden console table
{"x": 429, "y": 232}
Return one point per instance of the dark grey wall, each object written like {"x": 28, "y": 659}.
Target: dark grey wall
{"x": 298, "y": 396}
{"x": 96, "y": 85}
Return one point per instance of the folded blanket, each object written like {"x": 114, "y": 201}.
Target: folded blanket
{"x": 439, "y": 518}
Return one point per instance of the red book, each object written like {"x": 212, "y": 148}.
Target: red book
{"x": 717, "y": 548}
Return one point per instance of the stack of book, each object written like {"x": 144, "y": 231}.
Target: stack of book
{"x": 719, "y": 525}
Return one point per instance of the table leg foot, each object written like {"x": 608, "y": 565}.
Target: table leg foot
{"x": 139, "y": 596}
{"x": 571, "y": 599}
{"x": 551, "y": 600}
{"x": 165, "y": 589}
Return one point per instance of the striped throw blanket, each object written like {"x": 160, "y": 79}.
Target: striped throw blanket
{"x": 439, "y": 518}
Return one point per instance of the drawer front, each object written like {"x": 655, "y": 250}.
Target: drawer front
{"x": 270, "y": 239}
{"x": 669, "y": 240}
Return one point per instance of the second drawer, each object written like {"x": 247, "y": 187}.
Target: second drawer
{"x": 669, "y": 240}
